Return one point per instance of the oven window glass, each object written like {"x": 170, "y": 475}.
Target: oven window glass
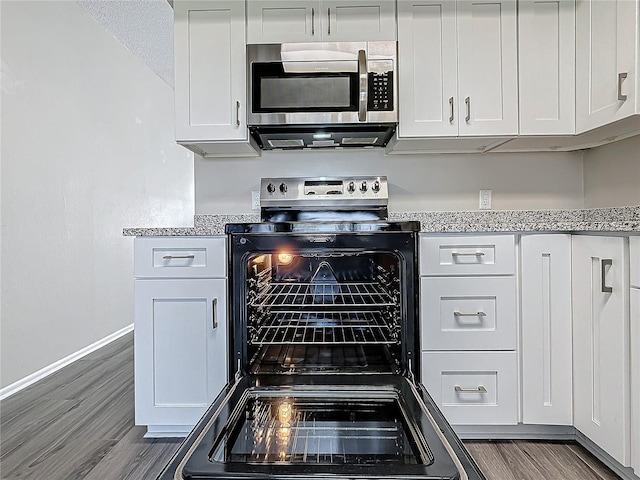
{"x": 335, "y": 313}
{"x": 320, "y": 431}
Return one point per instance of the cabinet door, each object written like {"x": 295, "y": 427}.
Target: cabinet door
{"x": 180, "y": 348}
{"x": 605, "y": 52}
{"x": 358, "y": 20}
{"x": 546, "y": 329}
{"x": 546, "y": 67}
{"x": 281, "y": 21}
{"x": 210, "y": 64}
{"x": 635, "y": 370}
{"x": 427, "y": 71}
{"x": 600, "y": 292}
{"x": 487, "y": 67}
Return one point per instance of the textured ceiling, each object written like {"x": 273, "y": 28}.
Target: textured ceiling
{"x": 143, "y": 26}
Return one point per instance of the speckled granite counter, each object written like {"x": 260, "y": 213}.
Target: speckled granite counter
{"x": 621, "y": 219}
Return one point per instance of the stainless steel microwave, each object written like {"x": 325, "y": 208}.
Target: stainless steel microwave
{"x": 322, "y": 83}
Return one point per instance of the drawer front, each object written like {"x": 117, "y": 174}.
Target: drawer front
{"x": 473, "y": 388}
{"x": 468, "y": 313}
{"x": 467, "y": 255}
{"x": 180, "y": 257}
{"x": 634, "y": 260}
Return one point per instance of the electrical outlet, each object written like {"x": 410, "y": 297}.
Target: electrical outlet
{"x": 255, "y": 200}
{"x": 485, "y": 199}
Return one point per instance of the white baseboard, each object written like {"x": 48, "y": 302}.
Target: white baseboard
{"x": 54, "y": 367}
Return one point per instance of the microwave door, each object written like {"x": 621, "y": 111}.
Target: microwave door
{"x": 287, "y": 426}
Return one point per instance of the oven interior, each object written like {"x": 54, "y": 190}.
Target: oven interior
{"x": 331, "y": 311}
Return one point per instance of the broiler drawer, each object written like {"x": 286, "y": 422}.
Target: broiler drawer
{"x": 180, "y": 257}
{"x": 468, "y": 313}
{"x": 467, "y": 255}
{"x": 473, "y": 388}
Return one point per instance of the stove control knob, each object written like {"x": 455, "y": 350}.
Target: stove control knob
{"x": 271, "y": 188}
{"x": 351, "y": 187}
{"x": 363, "y": 187}
{"x": 376, "y": 186}
{"x": 283, "y": 187}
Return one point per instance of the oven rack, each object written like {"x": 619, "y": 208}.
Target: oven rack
{"x": 324, "y": 328}
{"x": 353, "y": 294}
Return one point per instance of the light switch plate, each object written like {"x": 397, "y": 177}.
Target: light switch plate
{"x": 255, "y": 200}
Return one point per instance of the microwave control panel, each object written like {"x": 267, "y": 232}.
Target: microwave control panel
{"x": 380, "y": 95}
{"x": 380, "y": 92}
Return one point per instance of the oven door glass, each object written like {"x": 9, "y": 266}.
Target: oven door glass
{"x": 281, "y": 427}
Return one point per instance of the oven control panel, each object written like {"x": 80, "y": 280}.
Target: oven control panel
{"x": 324, "y": 192}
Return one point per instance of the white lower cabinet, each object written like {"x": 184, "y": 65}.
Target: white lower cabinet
{"x": 473, "y": 388}
{"x": 180, "y": 349}
{"x": 600, "y": 292}
{"x": 635, "y": 379}
{"x": 468, "y": 327}
{"x": 180, "y": 330}
{"x": 634, "y": 328}
{"x": 545, "y": 279}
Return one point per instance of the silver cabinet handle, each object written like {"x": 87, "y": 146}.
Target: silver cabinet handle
{"x": 621, "y": 77}
{"x": 450, "y": 109}
{"x": 214, "y": 317}
{"x": 478, "y": 389}
{"x": 313, "y": 21}
{"x": 477, "y": 314}
{"x": 329, "y": 17}
{"x": 605, "y": 262}
{"x": 171, "y": 257}
{"x": 467, "y": 102}
{"x": 362, "y": 74}
{"x": 237, "y": 113}
{"x": 459, "y": 254}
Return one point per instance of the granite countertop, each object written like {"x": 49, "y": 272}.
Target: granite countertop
{"x": 618, "y": 219}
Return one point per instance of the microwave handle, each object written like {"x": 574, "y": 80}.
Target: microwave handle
{"x": 363, "y": 79}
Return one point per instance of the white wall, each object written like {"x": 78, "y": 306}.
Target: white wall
{"x": 417, "y": 182}
{"x": 612, "y": 174}
{"x": 87, "y": 149}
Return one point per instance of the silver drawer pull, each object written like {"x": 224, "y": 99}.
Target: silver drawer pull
{"x": 621, "y": 77}
{"x": 605, "y": 262}
{"x": 477, "y": 314}
{"x": 476, "y": 254}
{"x": 478, "y": 389}
{"x": 172, "y": 257}
{"x": 214, "y": 307}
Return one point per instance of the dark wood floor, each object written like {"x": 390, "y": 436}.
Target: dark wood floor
{"x": 78, "y": 424}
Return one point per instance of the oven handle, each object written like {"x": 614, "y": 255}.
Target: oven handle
{"x": 363, "y": 78}
{"x": 214, "y": 317}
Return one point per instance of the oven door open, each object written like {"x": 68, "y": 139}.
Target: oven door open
{"x": 322, "y": 426}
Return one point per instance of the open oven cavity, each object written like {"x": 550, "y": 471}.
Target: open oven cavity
{"x": 338, "y": 311}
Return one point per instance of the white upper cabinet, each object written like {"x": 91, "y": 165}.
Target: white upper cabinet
{"x": 546, "y": 68}
{"x": 606, "y": 56}
{"x": 487, "y": 67}
{"x": 457, "y": 68}
{"x": 281, "y": 21}
{"x": 211, "y": 87}
{"x": 427, "y": 68}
